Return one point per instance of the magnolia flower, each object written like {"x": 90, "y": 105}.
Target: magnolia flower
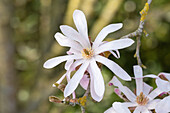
{"x": 143, "y": 100}
{"x": 85, "y": 54}
{"x": 163, "y": 106}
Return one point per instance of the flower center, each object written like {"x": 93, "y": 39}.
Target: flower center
{"x": 87, "y": 53}
{"x": 141, "y": 99}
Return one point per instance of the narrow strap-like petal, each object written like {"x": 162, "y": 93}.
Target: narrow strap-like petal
{"x": 154, "y": 93}
{"x": 84, "y": 82}
{"x": 163, "y": 84}
{"x": 57, "y": 60}
{"x": 104, "y": 32}
{"x": 115, "y": 68}
{"x": 166, "y": 75}
{"x": 92, "y": 91}
{"x": 114, "y": 45}
{"x": 138, "y": 78}
{"x": 75, "y": 80}
{"x": 146, "y": 89}
{"x": 99, "y": 86}
{"x": 81, "y": 24}
{"x": 65, "y": 41}
{"x": 73, "y": 34}
{"x": 138, "y": 109}
{"x": 128, "y": 93}
{"x": 152, "y": 104}
{"x": 68, "y": 64}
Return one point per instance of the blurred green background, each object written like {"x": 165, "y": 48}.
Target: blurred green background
{"x": 27, "y": 29}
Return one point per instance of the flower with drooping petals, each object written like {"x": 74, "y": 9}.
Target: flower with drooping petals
{"x": 85, "y": 54}
{"x": 143, "y": 101}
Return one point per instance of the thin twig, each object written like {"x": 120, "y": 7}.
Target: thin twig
{"x": 139, "y": 31}
{"x": 86, "y": 94}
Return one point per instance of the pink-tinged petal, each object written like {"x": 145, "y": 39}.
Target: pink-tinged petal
{"x": 75, "y": 80}
{"x": 145, "y": 110}
{"x": 163, "y": 105}
{"x": 73, "y": 51}
{"x": 57, "y": 60}
{"x": 166, "y": 75}
{"x": 117, "y": 91}
{"x": 152, "y": 104}
{"x": 128, "y": 93}
{"x": 73, "y": 34}
{"x": 65, "y": 41}
{"x": 163, "y": 85}
{"x": 115, "y": 68}
{"x": 114, "y": 45}
{"x": 138, "y": 109}
{"x": 154, "y": 93}
{"x": 150, "y": 76}
{"x": 81, "y": 24}
{"x": 138, "y": 78}
{"x": 68, "y": 64}
{"x": 99, "y": 86}
{"x": 117, "y": 54}
{"x": 104, "y": 32}
{"x": 60, "y": 80}
{"x": 120, "y": 108}
{"x": 147, "y": 89}
{"x": 92, "y": 91}
{"x": 85, "y": 82}
{"x": 110, "y": 110}
{"x": 129, "y": 104}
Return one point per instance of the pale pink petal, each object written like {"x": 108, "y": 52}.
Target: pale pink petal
{"x": 128, "y": 93}
{"x": 146, "y": 89}
{"x": 68, "y": 64}
{"x": 138, "y": 109}
{"x": 152, "y": 104}
{"x": 129, "y": 104}
{"x": 114, "y": 45}
{"x": 65, "y": 41}
{"x": 120, "y": 108}
{"x": 166, "y": 75}
{"x": 145, "y": 110}
{"x": 117, "y": 54}
{"x": 92, "y": 91}
{"x": 81, "y": 24}
{"x": 75, "y": 80}
{"x": 150, "y": 76}
{"x": 57, "y": 60}
{"x": 138, "y": 78}
{"x": 154, "y": 93}
{"x": 73, "y": 34}
{"x": 60, "y": 80}
{"x": 117, "y": 91}
{"x": 115, "y": 68}
{"x": 99, "y": 86}
{"x": 85, "y": 81}
{"x": 163, "y": 85}
{"x": 110, "y": 110}
{"x": 163, "y": 106}
{"x": 104, "y": 32}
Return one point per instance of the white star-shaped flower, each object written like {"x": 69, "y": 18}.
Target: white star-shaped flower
{"x": 86, "y": 54}
{"x": 143, "y": 100}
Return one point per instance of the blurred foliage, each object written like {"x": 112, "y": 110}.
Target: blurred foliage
{"x": 36, "y": 21}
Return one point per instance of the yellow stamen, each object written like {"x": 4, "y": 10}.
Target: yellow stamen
{"x": 141, "y": 99}
{"x": 87, "y": 53}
